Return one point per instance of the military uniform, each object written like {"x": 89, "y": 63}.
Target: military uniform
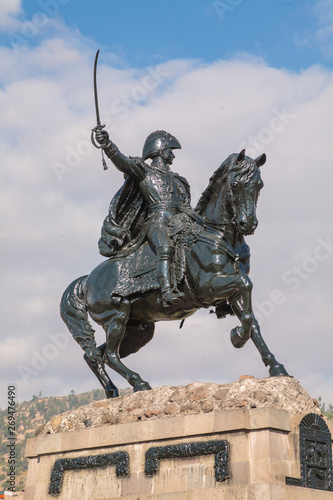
{"x": 164, "y": 194}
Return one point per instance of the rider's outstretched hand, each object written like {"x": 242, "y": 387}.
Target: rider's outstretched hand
{"x": 102, "y": 137}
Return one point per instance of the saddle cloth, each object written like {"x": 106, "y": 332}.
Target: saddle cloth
{"x": 138, "y": 272}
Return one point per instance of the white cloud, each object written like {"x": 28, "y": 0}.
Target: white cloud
{"x": 320, "y": 35}
{"x": 52, "y": 221}
{"x": 8, "y": 12}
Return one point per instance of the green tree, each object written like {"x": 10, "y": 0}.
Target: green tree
{"x": 327, "y": 412}
{"x": 32, "y": 412}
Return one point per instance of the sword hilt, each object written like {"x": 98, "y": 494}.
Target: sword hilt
{"x": 92, "y": 136}
{"x": 99, "y": 146}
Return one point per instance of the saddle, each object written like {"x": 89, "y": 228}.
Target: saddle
{"x": 138, "y": 269}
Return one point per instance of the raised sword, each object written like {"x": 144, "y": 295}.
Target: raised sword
{"x": 99, "y": 126}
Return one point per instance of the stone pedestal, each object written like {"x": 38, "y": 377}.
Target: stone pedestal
{"x": 243, "y": 453}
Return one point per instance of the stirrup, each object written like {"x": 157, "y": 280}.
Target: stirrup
{"x": 171, "y": 296}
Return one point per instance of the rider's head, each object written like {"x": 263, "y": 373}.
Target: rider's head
{"x": 160, "y": 143}
{"x": 167, "y": 155}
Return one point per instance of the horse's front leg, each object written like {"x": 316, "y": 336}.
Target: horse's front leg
{"x": 241, "y": 303}
{"x": 115, "y": 328}
{"x": 268, "y": 358}
{"x": 275, "y": 368}
{"x": 237, "y": 288}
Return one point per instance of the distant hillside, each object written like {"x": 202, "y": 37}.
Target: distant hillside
{"x": 30, "y": 416}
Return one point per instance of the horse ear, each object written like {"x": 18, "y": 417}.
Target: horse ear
{"x": 241, "y": 156}
{"x": 261, "y": 160}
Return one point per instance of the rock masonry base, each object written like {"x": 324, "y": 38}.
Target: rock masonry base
{"x": 257, "y": 449}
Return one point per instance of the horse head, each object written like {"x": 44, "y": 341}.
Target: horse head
{"x": 230, "y": 200}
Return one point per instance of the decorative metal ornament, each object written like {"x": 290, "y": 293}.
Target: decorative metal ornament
{"x": 119, "y": 459}
{"x": 315, "y": 445}
{"x": 218, "y": 448}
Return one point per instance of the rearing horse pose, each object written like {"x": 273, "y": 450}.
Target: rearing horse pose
{"x": 216, "y": 267}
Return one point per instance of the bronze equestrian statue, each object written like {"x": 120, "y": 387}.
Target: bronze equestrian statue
{"x": 166, "y": 260}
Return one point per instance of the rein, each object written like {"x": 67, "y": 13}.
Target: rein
{"x": 224, "y": 245}
{"x": 213, "y": 226}
{"x": 233, "y": 204}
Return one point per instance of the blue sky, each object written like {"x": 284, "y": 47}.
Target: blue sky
{"x": 285, "y": 34}
{"x": 220, "y": 76}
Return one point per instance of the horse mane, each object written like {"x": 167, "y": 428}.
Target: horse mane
{"x": 242, "y": 170}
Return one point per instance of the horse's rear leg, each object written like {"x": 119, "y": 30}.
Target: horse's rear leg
{"x": 97, "y": 368}
{"x": 94, "y": 358}
{"x": 75, "y": 314}
{"x": 115, "y": 328}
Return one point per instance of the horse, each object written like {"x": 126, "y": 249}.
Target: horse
{"x": 216, "y": 268}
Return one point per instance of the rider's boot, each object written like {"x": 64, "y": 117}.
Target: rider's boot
{"x": 170, "y": 294}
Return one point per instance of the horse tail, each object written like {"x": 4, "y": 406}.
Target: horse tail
{"x": 74, "y": 313}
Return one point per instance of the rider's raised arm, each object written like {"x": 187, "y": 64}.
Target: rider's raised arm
{"x": 120, "y": 161}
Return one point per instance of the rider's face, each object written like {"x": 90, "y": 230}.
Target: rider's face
{"x": 168, "y": 156}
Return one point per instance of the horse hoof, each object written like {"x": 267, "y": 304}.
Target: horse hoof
{"x": 141, "y": 386}
{"x": 278, "y": 371}
{"x": 237, "y": 339}
{"x": 111, "y": 392}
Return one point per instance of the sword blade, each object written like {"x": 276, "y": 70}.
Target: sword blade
{"x": 95, "y": 90}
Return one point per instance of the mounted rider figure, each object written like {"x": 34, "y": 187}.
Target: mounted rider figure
{"x": 161, "y": 195}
